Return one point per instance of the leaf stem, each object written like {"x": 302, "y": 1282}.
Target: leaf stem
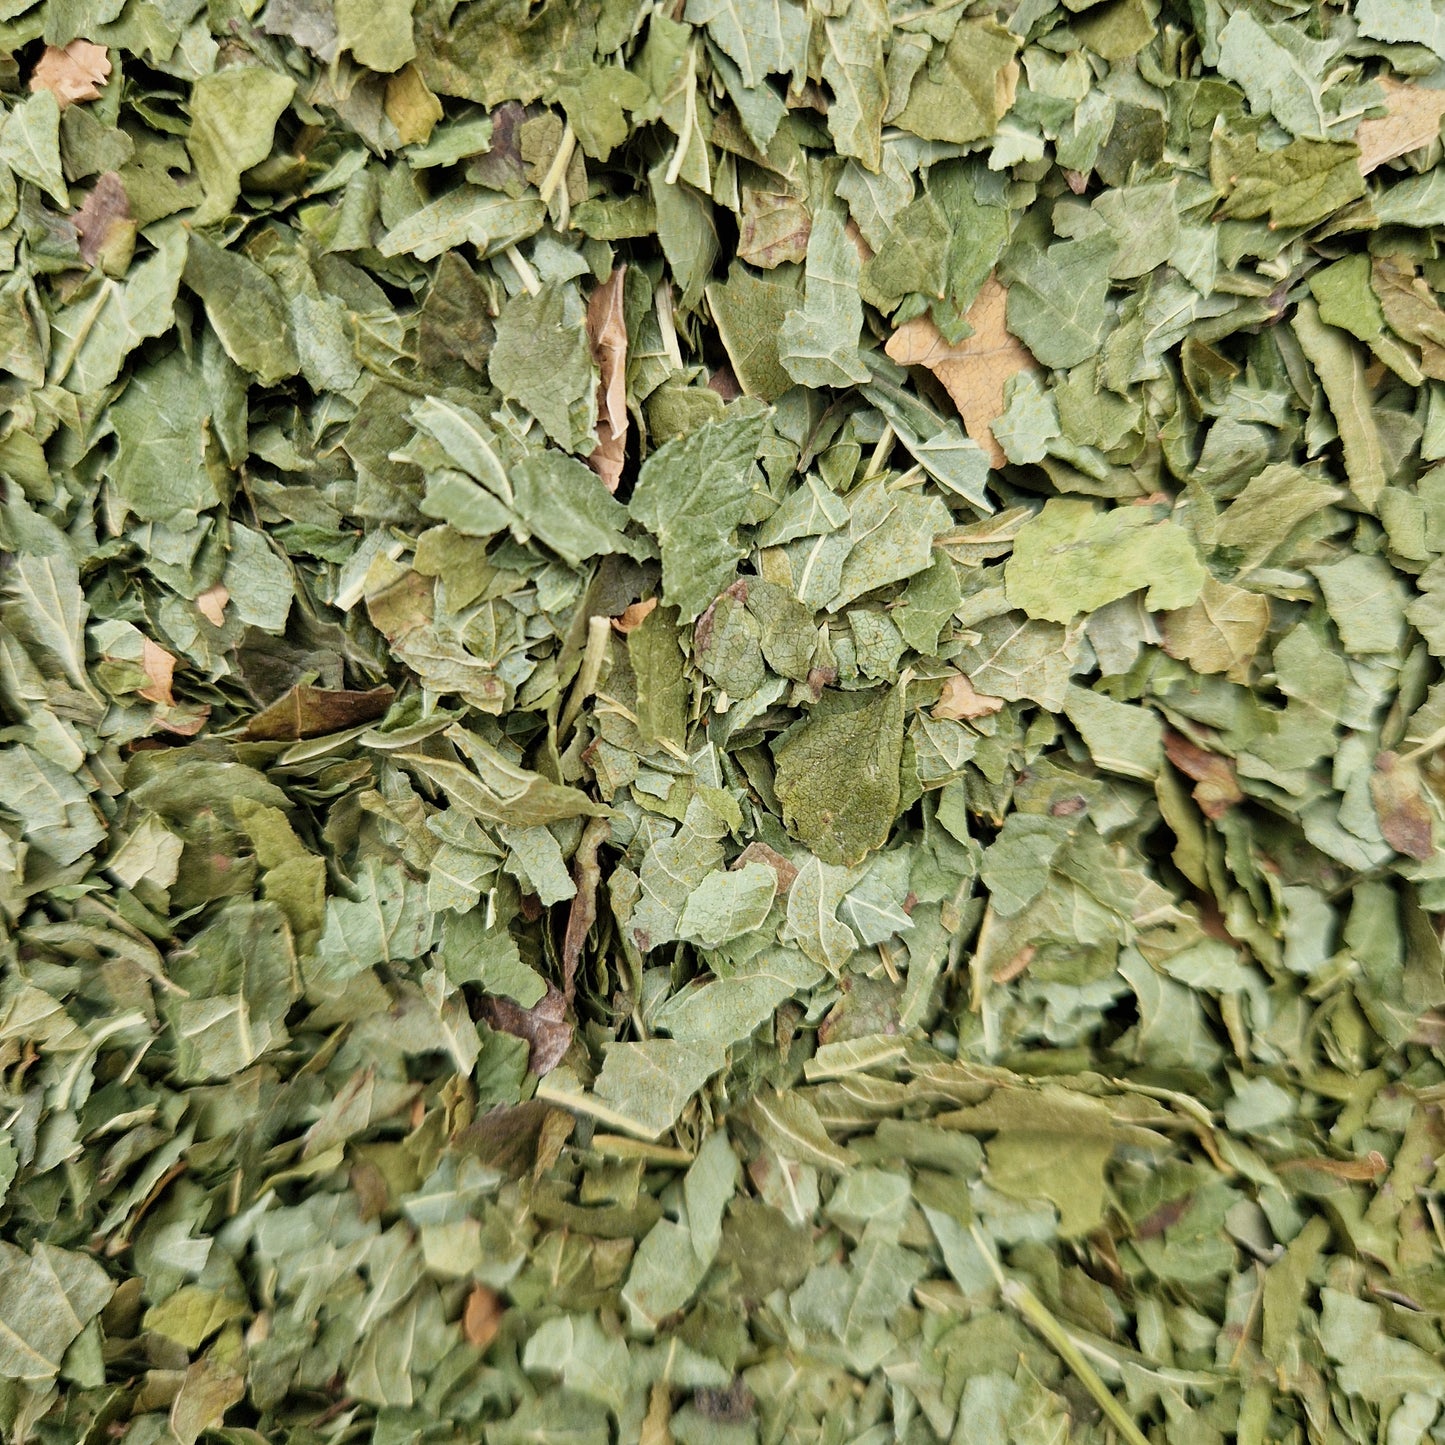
{"x": 1032, "y": 1308}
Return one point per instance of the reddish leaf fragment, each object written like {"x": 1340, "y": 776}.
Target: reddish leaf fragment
{"x": 1399, "y": 798}
{"x": 160, "y": 668}
{"x": 104, "y": 210}
{"x": 583, "y": 913}
{"x": 544, "y": 1026}
{"x": 761, "y": 853}
{"x": 1216, "y": 785}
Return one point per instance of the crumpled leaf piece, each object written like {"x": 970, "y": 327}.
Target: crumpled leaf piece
{"x": 543, "y": 359}
{"x": 692, "y": 492}
{"x": 72, "y": 73}
{"x": 233, "y": 119}
{"x": 1073, "y": 558}
{"x": 46, "y": 1299}
{"x": 607, "y": 333}
{"x": 818, "y": 343}
{"x": 974, "y": 371}
{"x": 645, "y": 1086}
{"x": 544, "y": 1026}
{"x": 963, "y": 92}
{"x": 837, "y": 775}
{"x": 1412, "y": 119}
{"x": 308, "y": 712}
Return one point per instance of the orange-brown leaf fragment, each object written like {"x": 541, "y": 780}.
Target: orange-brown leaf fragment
{"x": 160, "y": 668}
{"x": 211, "y": 604}
{"x": 976, "y": 370}
{"x": 1216, "y": 787}
{"x": 607, "y": 331}
{"x": 72, "y": 74}
{"x": 1399, "y": 798}
{"x": 959, "y": 701}
{"x": 1413, "y": 121}
{"x": 482, "y": 1316}
{"x": 633, "y": 615}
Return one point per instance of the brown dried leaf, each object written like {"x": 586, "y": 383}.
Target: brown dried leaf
{"x": 960, "y": 701}
{"x": 73, "y": 74}
{"x": 607, "y": 331}
{"x": 212, "y": 604}
{"x": 583, "y": 913}
{"x": 761, "y": 853}
{"x": 160, "y": 667}
{"x": 1399, "y": 798}
{"x": 1413, "y": 121}
{"x": 544, "y": 1026}
{"x": 482, "y": 1316}
{"x": 309, "y": 712}
{"x": 976, "y": 370}
{"x": 106, "y": 207}
{"x": 633, "y": 615}
{"x": 185, "y": 720}
{"x": 1216, "y": 787}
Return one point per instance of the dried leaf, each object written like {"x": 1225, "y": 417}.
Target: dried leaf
{"x": 1399, "y": 797}
{"x": 1216, "y": 787}
{"x": 482, "y": 1316}
{"x": 633, "y": 615}
{"x": 104, "y": 211}
{"x": 960, "y": 701}
{"x": 160, "y": 668}
{"x": 1412, "y": 120}
{"x": 72, "y": 74}
{"x": 974, "y": 371}
{"x": 544, "y": 1026}
{"x": 212, "y": 604}
{"x": 607, "y": 333}
{"x": 308, "y": 712}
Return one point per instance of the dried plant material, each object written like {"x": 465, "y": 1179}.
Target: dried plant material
{"x": 633, "y": 615}
{"x": 785, "y": 869}
{"x": 72, "y": 74}
{"x": 544, "y": 1026}
{"x": 456, "y": 1001}
{"x": 607, "y": 333}
{"x": 103, "y": 213}
{"x": 1406, "y": 819}
{"x": 308, "y": 712}
{"x": 212, "y": 604}
{"x": 582, "y": 915}
{"x": 775, "y": 228}
{"x": 160, "y": 668}
{"x": 482, "y": 1316}
{"x": 974, "y": 371}
{"x": 1413, "y": 120}
{"x": 1216, "y": 785}
{"x": 959, "y": 701}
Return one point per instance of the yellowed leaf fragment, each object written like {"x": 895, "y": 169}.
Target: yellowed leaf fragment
{"x": 976, "y": 370}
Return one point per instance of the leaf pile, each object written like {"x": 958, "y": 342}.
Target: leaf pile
{"x": 721, "y": 722}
